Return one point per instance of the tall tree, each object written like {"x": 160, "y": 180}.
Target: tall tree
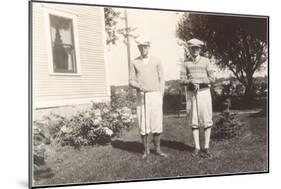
{"x": 111, "y": 16}
{"x": 237, "y": 43}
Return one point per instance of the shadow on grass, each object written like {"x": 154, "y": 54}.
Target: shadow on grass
{"x": 130, "y": 146}
{"x": 176, "y": 145}
{"x": 137, "y": 147}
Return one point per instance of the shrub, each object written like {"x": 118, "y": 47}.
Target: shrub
{"x": 123, "y": 96}
{"x": 40, "y": 140}
{"x": 94, "y": 126}
{"x": 228, "y": 90}
{"x": 260, "y": 87}
{"x": 228, "y": 125}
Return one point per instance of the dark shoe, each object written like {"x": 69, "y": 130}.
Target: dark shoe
{"x": 206, "y": 153}
{"x": 160, "y": 153}
{"x": 195, "y": 153}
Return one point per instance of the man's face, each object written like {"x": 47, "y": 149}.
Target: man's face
{"x": 194, "y": 50}
{"x": 144, "y": 50}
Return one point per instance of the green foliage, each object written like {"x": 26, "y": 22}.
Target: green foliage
{"x": 94, "y": 126}
{"x": 123, "y": 96}
{"x": 40, "y": 139}
{"x": 227, "y": 126}
{"x": 232, "y": 89}
{"x": 238, "y": 44}
{"x": 111, "y": 16}
{"x": 260, "y": 87}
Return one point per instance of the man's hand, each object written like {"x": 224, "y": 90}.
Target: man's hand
{"x": 196, "y": 87}
{"x": 142, "y": 89}
{"x": 184, "y": 82}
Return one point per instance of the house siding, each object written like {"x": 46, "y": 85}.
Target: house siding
{"x": 91, "y": 83}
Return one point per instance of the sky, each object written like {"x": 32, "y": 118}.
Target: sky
{"x": 160, "y": 28}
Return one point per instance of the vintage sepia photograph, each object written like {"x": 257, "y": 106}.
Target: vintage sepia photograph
{"x": 120, "y": 94}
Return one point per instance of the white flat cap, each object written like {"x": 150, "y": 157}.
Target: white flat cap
{"x": 195, "y": 43}
{"x": 143, "y": 41}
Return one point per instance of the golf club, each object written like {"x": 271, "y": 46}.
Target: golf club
{"x": 197, "y": 111}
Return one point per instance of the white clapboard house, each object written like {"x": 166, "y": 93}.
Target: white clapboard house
{"x": 68, "y": 60}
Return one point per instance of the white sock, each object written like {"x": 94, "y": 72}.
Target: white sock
{"x": 196, "y": 138}
{"x": 207, "y": 137}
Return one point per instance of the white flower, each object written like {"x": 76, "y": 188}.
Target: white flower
{"x": 97, "y": 112}
{"x": 126, "y": 109}
{"x": 115, "y": 115}
{"x": 65, "y": 129}
{"x": 37, "y": 130}
{"x": 108, "y": 131}
{"x": 126, "y": 120}
{"x": 87, "y": 115}
{"x": 125, "y": 115}
{"x": 105, "y": 110}
{"x": 97, "y": 121}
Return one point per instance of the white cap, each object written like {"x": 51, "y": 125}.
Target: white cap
{"x": 143, "y": 41}
{"x": 195, "y": 43}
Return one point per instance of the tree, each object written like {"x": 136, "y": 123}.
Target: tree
{"x": 237, "y": 43}
{"x": 111, "y": 16}
{"x": 111, "y": 19}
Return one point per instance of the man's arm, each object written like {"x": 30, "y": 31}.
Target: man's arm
{"x": 133, "y": 82}
{"x": 184, "y": 76}
{"x": 161, "y": 76}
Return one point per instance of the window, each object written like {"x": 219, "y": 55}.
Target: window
{"x": 62, "y": 43}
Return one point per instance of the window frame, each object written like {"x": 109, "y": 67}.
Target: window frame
{"x": 72, "y": 17}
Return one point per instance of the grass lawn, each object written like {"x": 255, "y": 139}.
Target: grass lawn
{"x": 121, "y": 160}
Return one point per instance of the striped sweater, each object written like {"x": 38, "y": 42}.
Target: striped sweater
{"x": 198, "y": 70}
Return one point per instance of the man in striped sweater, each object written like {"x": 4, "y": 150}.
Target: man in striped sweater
{"x": 146, "y": 76}
{"x": 197, "y": 74}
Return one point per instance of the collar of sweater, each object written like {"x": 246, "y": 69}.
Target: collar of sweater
{"x": 147, "y": 57}
{"x": 195, "y": 59}
{"x": 145, "y": 60}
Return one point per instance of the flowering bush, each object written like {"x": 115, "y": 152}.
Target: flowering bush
{"x": 123, "y": 96}
{"x": 94, "y": 126}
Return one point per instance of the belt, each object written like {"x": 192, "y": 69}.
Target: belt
{"x": 201, "y": 86}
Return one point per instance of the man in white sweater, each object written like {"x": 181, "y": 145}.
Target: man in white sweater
{"x": 146, "y": 76}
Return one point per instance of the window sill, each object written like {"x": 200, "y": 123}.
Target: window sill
{"x": 65, "y": 74}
